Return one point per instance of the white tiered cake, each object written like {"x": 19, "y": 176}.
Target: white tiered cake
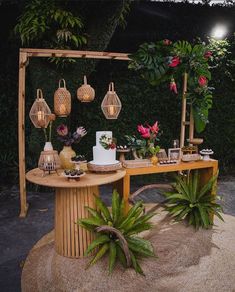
{"x": 102, "y": 156}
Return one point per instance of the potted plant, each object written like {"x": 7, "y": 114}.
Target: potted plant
{"x": 117, "y": 233}
{"x": 188, "y": 201}
{"x": 69, "y": 138}
{"x": 154, "y": 150}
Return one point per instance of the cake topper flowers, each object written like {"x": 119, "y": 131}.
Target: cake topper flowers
{"x": 69, "y": 138}
{"x": 107, "y": 142}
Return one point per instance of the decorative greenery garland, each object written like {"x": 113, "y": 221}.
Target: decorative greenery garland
{"x": 167, "y": 61}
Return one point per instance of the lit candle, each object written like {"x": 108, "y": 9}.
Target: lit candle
{"x": 86, "y": 96}
{"x": 111, "y": 110}
{"x": 41, "y": 116}
{"x": 62, "y": 109}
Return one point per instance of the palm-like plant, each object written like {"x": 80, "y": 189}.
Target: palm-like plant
{"x": 188, "y": 201}
{"x": 116, "y": 233}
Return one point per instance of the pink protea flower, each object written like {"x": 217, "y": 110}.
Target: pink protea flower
{"x": 81, "y": 131}
{"x": 62, "y": 130}
{"x": 144, "y": 132}
{"x": 202, "y": 81}
{"x": 207, "y": 54}
{"x": 174, "y": 62}
{"x": 167, "y": 42}
{"x": 173, "y": 86}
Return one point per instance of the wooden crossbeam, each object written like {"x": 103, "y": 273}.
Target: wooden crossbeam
{"x": 74, "y": 54}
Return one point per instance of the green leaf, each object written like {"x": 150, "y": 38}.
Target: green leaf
{"x": 115, "y": 206}
{"x": 96, "y": 242}
{"x": 131, "y": 213}
{"x": 103, "y": 208}
{"x": 121, "y": 256}
{"x": 92, "y": 221}
{"x": 95, "y": 214}
{"x": 141, "y": 246}
{"x": 112, "y": 255}
{"x": 136, "y": 264}
{"x": 207, "y": 187}
{"x": 102, "y": 251}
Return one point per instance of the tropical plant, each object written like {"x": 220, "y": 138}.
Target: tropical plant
{"x": 116, "y": 233}
{"x": 190, "y": 202}
{"x": 54, "y": 25}
{"x": 166, "y": 61}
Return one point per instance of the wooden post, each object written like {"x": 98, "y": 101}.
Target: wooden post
{"x": 21, "y": 133}
{"x": 183, "y": 112}
{"x": 191, "y": 124}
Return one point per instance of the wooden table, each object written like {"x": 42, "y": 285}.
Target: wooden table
{"x": 72, "y": 196}
{"x": 207, "y": 170}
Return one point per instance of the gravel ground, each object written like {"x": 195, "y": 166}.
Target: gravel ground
{"x": 17, "y": 236}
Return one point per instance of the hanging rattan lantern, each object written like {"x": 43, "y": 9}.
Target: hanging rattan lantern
{"x": 40, "y": 111}
{"x": 111, "y": 104}
{"x": 85, "y": 93}
{"x": 62, "y": 100}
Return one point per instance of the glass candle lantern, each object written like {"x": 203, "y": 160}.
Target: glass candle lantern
{"x": 111, "y": 104}
{"x": 40, "y": 111}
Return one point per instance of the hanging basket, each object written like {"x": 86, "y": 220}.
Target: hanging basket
{"x": 62, "y": 100}
{"x": 111, "y": 104}
{"x": 40, "y": 112}
{"x": 85, "y": 93}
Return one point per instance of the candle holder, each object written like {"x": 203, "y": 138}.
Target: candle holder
{"x": 49, "y": 161}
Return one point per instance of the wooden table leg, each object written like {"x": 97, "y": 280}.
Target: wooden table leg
{"x": 71, "y": 240}
{"x": 205, "y": 175}
{"x": 126, "y": 191}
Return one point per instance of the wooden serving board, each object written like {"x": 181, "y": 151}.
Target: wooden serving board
{"x": 104, "y": 168}
{"x": 136, "y": 163}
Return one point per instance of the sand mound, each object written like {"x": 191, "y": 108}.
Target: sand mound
{"x": 188, "y": 261}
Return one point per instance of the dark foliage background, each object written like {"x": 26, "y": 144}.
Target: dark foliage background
{"x": 147, "y": 21}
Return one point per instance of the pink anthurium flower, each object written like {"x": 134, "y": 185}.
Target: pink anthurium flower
{"x": 207, "y": 54}
{"x": 154, "y": 129}
{"x": 167, "y": 42}
{"x": 144, "y": 132}
{"x": 202, "y": 81}
{"x": 173, "y": 86}
{"x": 174, "y": 62}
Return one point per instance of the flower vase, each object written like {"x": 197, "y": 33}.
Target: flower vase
{"x": 48, "y": 146}
{"x": 154, "y": 160}
{"x": 65, "y": 157}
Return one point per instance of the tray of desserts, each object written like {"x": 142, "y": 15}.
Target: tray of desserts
{"x": 73, "y": 173}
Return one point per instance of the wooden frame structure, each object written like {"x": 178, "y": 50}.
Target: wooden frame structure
{"x": 24, "y": 55}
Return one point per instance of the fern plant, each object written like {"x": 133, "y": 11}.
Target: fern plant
{"x": 117, "y": 233}
{"x": 190, "y": 202}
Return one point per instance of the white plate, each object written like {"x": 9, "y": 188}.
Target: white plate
{"x": 101, "y": 164}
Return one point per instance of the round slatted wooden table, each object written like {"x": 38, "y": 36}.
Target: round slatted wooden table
{"x": 72, "y": 196}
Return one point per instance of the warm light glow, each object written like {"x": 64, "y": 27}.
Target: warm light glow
{"x": 219, "y": 32}
{"x": 41, "y": 116}
{"x": 111, "y": 110}
{"x": 62, "y": 109}
{"x": 86, "y": 96}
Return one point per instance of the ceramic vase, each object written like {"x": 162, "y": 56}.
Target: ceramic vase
{"x": 65, "y": 157}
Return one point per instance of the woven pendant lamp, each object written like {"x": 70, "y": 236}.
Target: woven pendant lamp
{"x": 111, "y": 104}
{"x": 40, "y": 111}
{"x": 62, "y": 100}
{"x": 85, "y": 93}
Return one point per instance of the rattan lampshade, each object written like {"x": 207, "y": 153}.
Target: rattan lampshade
{"x": 49, "y": 161}
{"x": 62, "y": 100}
{"x": 111, "y": 104}
{"x": 85, "y": 93}
{"x": 40, "y": 111}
